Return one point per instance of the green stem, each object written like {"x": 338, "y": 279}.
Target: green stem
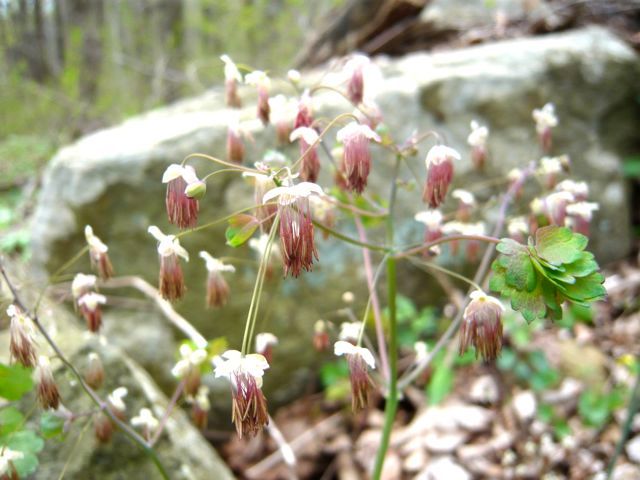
{"x": 392, "y": 397}
{"x": 216, "y": 222}
{"x": 352, "y": 241}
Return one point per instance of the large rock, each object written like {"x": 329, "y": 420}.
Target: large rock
{"x": 111, "y": 179}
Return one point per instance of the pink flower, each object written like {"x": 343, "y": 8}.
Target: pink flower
{"x": 358, "y": 358}
{"x": 296, "y": 228}
{"x": 304, "y": 117}
{"x": 477, "y": 139}
{"x": 310, "y": 166}
{"x": 354, "y": 70}
{"x": 482, "y": 326}
{"x": 261, "y": 81}
{"x": 432, "y": 220}
{"x": 182, "y": 209}
{"x": 217, "y": 286}
{"x": 439, "y": 163}
{"x": 580, "y": 216}
{"x": 171, "y": 279}
{"x": 466, "y": 202}
{"x": 235, "y": 147}
{"x": 356, "y": 162}
{"x": 555, "y": 206}
{"x": 98, "y": 254}
{"x": 245, "y": 372}
{"x": 545, "y": 119}
{"x": 231, "y": 78}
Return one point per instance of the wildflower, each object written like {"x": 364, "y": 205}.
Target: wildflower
{"x": 422, "y": 351}
{"x": 348, "y": 297}
{"x": 245, "y": 372}
{"x": 231, "y": 78}
{"x": 356, "y": 161}
{"x": 432, "y": 220}
{"x": 98, "y": 254}
{"x": 94, "y": 374}
{"x": 579, "y": 190}
{"x": 304, "y": 117}
{"x": 482, "y": 326}
{"x": 555, "y": 206}
{"x": 188, "y": 367}
{"x": 580, "y": 215}
{"x": 171, "y": 279}
{"x": 466, "y": 201}
{"x": 182, "y": 208}
{"x": 261, "y": 81}
{"x": 200, "y": 407}
{"x": 294, "y": 76}
{"x": 310, "y": 166}
{"x": 358, "y": 358}
{"x": 545, "y": 119}
{"x": 46, "y": 388}
{"x": 296, "y": 227}
{"x": 22, "y": 342}
{"x": 235, "y": 147}
{"x": 439, "y": 163}
{"x": 518, "y": 229}
{"x": 7, "y": 468}
{"x": 82, "y": 284}
{"x": 116, "y": 401}
{"x": 89, "y": 305}
{"x": 477, "y": 139}
{"x": 515, "y": 177}
{"x": 323, "y": 211}
{"x": 354, "y": 70}
{"x": 550, "y": 168}
{"x": 264, "y": 345}
{"x": 369, "y": 114}
{"x": 350, "y": 331}
{"x": 283, "y": 112}
{"x": 147, "y": 421}
{"x": 461, "y": 228}
{"x": 320, "y": 336}
{"x": 262, "y": 183}
{"x": 217, "y": 286}
{"x": 102, "y": 428}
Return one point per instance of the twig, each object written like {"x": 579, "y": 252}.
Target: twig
{"x": 167, "y": 412}
{"x": 174, "y": 317}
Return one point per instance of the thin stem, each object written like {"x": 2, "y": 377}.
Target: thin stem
{"x": 634, "y": 405}
{"x": 220, "y": 161}
{"x": 167, "y": 412}
{"x": 70, "y": 262}
{"x": 73, "y": 449}
{"x": 257, "y": 289}
{"x": 435, "y": 266}
{"x": 216, "y": 172}
{"x": 218, "y": 221}
{"x": 89, "y": 391}
{"x": 352, "y": 241}
{"x": 392, "y": 397}
{"x": 449, "y": 238}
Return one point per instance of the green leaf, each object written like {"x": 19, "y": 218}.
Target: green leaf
{"x": 520, "y": 272}
{"x": 509, "y": 246}
{"x": 583, "y": 266}
{"x": 29, "y": 444}
{"x": 15, "y": 381}
{"x": 558, "y": 245}
{"x": 241, "y": 228}
{"x": 441, "y": 383}
{"x": 10, "y": 420}
{"x": 587, "y": 289}
{"x": 333, "y": 372}
{"x": 51, "y": 425}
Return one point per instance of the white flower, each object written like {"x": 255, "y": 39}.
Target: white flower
{"x": 290, "y": 194}
{"x": 422, "y": 350}
{"x": 215, "y": 265}
{"x": 431, "y": 218}
{"x": 294, "y": 76}
{"x": 578, "y": 189}
{"x": 537, "y": 206}
{"x": 173, "y": 171}
{"x": 189, "y": 359}
{"x": 94, "y": 242}
{"x": 7, "y": 456}
{"x": 283, "y": 109}
{"x": 464, "y": 196}
{"x": 514, "y": 175}
{"x": 91, "y": 300}
{"x": 478, "y": 135}
{"x": 353, "y": 129}
{"x": 309, "y": 135}
{"x": 257, "y": 78}
{"x": 346, "y": 348}
{"x": 115, "y": 398}
{"x": 350, "y": 330}
{"x": 264, "y": 340}
{"x": 146, "y": 420}
{"x": 202, "y": 398}
{"x": 583, "y": 210}
{"x": 550, "y": 165}
{"x": 82, "y": 283}
{"x": 231, "y": 72}
{"x": 232, "y": 364}
{"x": 545, "y": 118}
{"x": 455, "y": 227}
{"x": 480, "y": 296}
{"x": 518, "y": 226}
{"x": 168, "y": 244}
{"x": 348, "y": 297}
{"x": 440, "y": 153}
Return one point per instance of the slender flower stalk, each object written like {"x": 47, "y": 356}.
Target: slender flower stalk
{"x": 171, "y": 278}
{"x": 98, "y": 254}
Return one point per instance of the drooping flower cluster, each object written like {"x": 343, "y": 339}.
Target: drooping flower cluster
{"x": 171, "y": 278}
{"x": 217, "y": 286}
{"x": 482, "y": 326}
{"x": 296, "y": 227}
{"x": 356, "y": 160}
{"x": 359, "y": 359}
{"x": 184, "y": 189}
{"x": 245, "y": 372}
{"x": 98, "y": 254}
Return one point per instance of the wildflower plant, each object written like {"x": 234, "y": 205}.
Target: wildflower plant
{"x": 542, "y": 265}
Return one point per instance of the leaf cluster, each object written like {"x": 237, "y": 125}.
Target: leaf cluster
{"x": 539, "y": 277}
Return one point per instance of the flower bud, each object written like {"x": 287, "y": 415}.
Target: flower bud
{"x": 182, "y": 210}
{"x": 482, "y": 326}
{"x": 262, "y": 82}
{"x": 356, "y": 163}
{"x": 432, "y": 220}
{"x": 116, "y": 402}
{"x": 171, "y": 278}
{"x": 200, "y": 407}
{"x": 310, "y": 165}
{"x": 304, "y": 117}
{"x": 22, "y": 344}
{"x": 466, "y": 202}
{"x": 94, "y": 373}
{"x": 147, "y": 422}
{"x": 188, "y": 368}
{"x": 46, "y": 388}
{"x": 102, "y": 428}
{"x": 196, "y": 190}
{"x": 439, "y": 164}
{"x": 354, "y": 70}
{"x": 89, "y": 305}
{"x": 217, "y": 286}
